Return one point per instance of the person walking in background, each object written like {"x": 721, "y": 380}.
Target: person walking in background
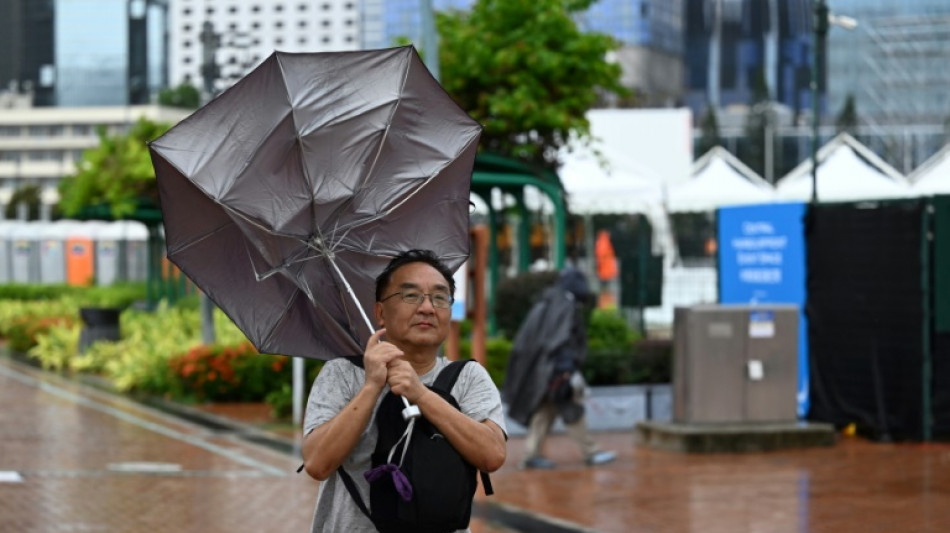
{"x": 543, "y": 381}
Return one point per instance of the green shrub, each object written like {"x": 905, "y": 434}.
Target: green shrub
{"x": 514, "y": 298}
{"x": 56, "y": 348}
{"x": 120, "y": 295}
{"x": 647, "y": 361}
{"x": 498, "y": 351}
{"x": 228, "y": 373}
{"x": 608, "y": 330}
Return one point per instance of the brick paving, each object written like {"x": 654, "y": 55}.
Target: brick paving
{"x": 80, "y": 453}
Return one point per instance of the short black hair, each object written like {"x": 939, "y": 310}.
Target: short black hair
{"x": 413, "y": 256}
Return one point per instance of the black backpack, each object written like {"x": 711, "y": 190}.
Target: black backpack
{"x": 442, "y": 483}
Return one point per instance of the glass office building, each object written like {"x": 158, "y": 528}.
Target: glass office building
{"x": 654, "y": 23}
{"x": 732, "y": 44}
{"x": 86, "y": 52}
{"x": 894, "y": 62}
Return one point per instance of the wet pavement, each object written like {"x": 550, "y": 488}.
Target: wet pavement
{"x": 73, "y": 458}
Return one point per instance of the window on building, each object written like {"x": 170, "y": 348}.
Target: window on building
{"x": 44, "y": 155}
{"x": 232, "y": 9}
{"x": 278, "y": 41}
{"x": 9, "y": 155}
{"x": 186, "y": 44}
{"x": 209, "y": 10}
{"x": 82, "y": 129}
{"x": 9, "y": 131}
{"x": 186, "y": 28}
{"x": 325, "y": 7}
{"x": 186, "y": 60}
{"x": 232, "y": 26}
{"x": 325, "y": 23}
{"x": 302, "y": 24}
{"x": 349, "y": 6}
{"x": 302, "y": 7}
{"x": 278, "y": 8}
{"x": 302, "y": 41}
{"x": 325, "y": 40}
{"x": 255, "y": 9}
{"x": 349, "y": 22}
{"x": 255, "y": 25}
{"x": 186, "y": 11}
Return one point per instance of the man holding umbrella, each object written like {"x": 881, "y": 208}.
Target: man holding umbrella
{"x": 412, "y": 309}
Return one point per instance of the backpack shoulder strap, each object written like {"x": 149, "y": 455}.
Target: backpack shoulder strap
{"x": 354, "y": 493}
{"x": 449, "y": 375}
{"x": 444, "y": 382}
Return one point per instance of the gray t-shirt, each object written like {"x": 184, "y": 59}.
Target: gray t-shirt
{"x": 338, "y": 382}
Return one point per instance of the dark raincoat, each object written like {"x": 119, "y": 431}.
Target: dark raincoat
{"x": 551, "y": 341}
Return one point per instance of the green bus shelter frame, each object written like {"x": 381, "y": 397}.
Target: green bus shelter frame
{"x": 493, "y": 171}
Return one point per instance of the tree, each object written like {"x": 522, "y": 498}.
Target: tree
{"x": 29, "y": 195}
{"x": 185, "y": 96}
{"x": 709, "y": 128}
{"x": 117, "y": 173}
{"x": 847, "y": 119}
{"x": 526, "y": 73}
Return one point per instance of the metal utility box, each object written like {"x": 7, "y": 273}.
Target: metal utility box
{"x": 735, "y": 363}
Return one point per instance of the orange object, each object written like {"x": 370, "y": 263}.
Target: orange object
{"x": 606, "y": 258}
{"x": 80, "y": 261}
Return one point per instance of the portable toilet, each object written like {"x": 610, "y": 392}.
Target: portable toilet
{"x": 135, "y": 237}
{"x": 109, "y": 251}
{"x": 6, "y": 250}
{"x": 80, "y": 255}
{"x": 52, "y": 252}
{"x": 25, "y": 263}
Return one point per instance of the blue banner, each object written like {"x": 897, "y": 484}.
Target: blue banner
{"x": 762, "y": 261}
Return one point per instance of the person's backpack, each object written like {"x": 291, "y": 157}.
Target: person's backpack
{"x": 418, "y": 482}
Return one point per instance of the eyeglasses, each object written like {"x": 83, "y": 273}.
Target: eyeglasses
{"x": 440, "y": 300}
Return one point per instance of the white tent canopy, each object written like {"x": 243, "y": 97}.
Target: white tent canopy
{"x": 607, "y": 184}
{"x": 933, "y": 176}
{"x": 847, "y": 171}
{"x": 718, "y": 179}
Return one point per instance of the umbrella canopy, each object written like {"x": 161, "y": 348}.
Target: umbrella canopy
{"x": 287, "y": 195}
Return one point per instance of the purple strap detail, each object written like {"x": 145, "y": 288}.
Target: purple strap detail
{"x": 400, "y": 481}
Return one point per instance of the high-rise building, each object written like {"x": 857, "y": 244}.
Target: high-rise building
{"x": 649, "y": 32}
{"x": 83, "y": 52}
{"x": 236, "y": 35}
{"x": 894, "y": 62}
{"x": 733, "y": 46}
{"x": 387, "y": 22}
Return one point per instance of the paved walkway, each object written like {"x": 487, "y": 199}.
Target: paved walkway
{"x": 76, "y": 459}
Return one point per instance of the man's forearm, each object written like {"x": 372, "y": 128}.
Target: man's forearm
{"x": 327, "y": 446}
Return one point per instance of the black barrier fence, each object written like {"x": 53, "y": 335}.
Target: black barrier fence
{"x": 879, "y": 316}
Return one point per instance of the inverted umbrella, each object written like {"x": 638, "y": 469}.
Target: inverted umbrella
{"x": 285, "y": 196}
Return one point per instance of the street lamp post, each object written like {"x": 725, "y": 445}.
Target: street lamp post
{"x": 823, "y": 20}
{"x": 821, "y": 31}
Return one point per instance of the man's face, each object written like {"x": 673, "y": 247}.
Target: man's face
{"x": 414, "y": 325}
